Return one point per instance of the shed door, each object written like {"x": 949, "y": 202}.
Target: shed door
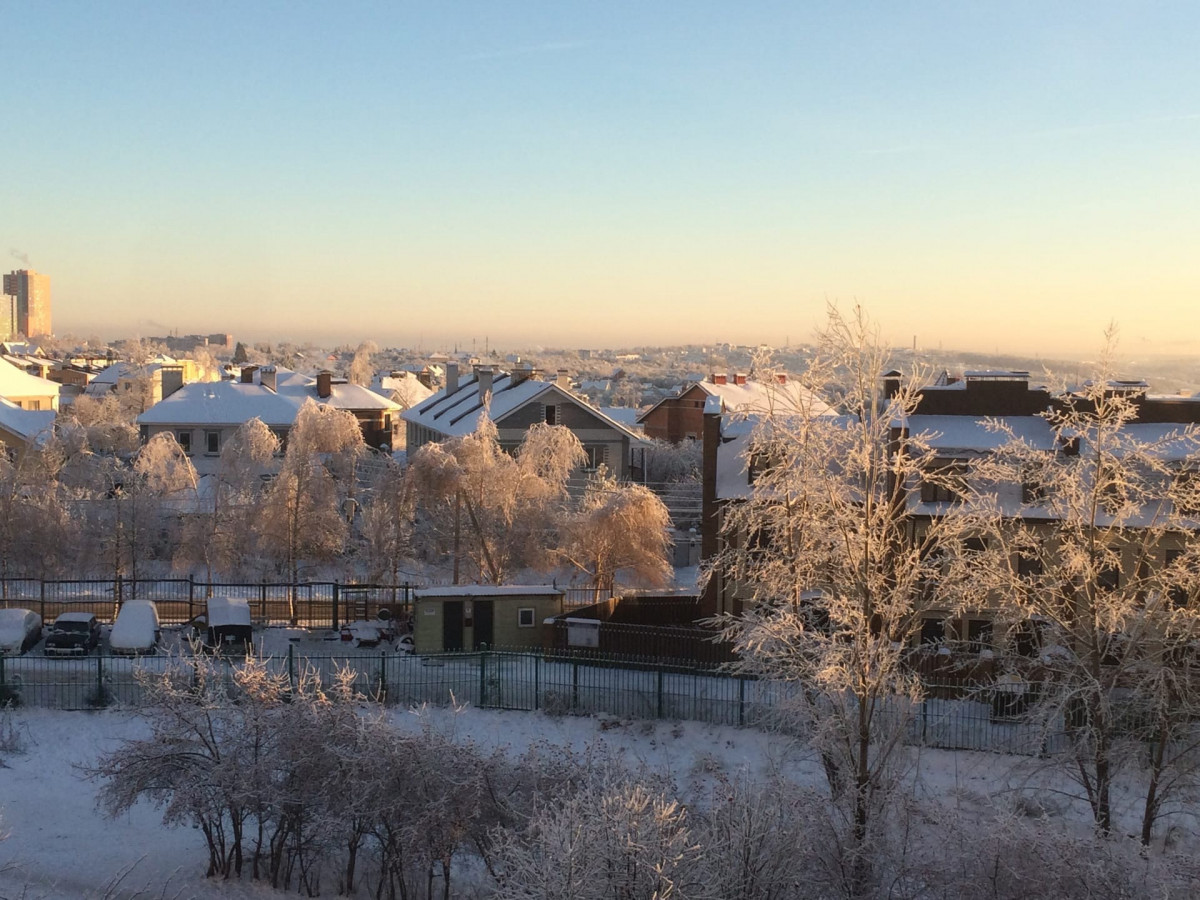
{"x": 452, "y": 625}
{"x": 484, "y": 623}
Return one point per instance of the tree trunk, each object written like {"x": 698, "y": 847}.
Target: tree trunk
{"x": 1150, "y": 810}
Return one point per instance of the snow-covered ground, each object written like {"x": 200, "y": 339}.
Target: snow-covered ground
{"x": 60, "y": 846}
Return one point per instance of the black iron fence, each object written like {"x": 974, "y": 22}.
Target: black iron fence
{"x": 956, "y": 714}
{"x": 323, "y": 604}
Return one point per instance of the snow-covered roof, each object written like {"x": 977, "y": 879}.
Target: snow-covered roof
{"x": 1168, "y": 441}
{"x": 457, "y": 414}
{"x": 403, "y": 386}
{"x": 752, "y": 397}
{"x": 125, "y": 369}
{"x": 27, "y": 424}
{"x": 16, "y": 382}
{"x": 974, "y": 434}
{"x": 487, "y": 590}
{"x": 234, "y": 402}
{"x": 625, "y": 415}
{"x": 228, "y": 611}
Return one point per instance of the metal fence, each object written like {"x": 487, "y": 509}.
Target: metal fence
{"x": 323, "y": 604}
{"x": 956, "y": 715}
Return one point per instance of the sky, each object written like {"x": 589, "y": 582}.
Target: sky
{"x": 990, "y": 176}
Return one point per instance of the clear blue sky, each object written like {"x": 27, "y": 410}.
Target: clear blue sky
{"x": 980, "y": 175}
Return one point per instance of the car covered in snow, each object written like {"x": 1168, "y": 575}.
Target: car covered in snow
{"x": 73, "y": 634}
{"x": 225, "y": 624}
{"x": 20, "y": 629}
{"x": 136, "y": 630}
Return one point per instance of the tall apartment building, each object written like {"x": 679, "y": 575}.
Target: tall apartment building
{"x": 29, "y": 312}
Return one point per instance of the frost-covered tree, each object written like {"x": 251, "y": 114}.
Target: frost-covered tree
{"x": 102, "y": 423}
{"x": 508, "y": 504}
{"x": 618, "y": 528}
{"x": 1104, "y": 575}
{"x": 219, "y": 534}
{"x": 308, "y": 505}
{"x": 33, "y": 519}
{"x": 828, "y": 566}
{"x": 608, "y": 839}
{"x": 386, "y": 524}
{"x": 361, "y": 368}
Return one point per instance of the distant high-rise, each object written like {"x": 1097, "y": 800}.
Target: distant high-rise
{"x": 30, "y": 305}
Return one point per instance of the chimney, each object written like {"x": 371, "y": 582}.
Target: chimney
{"x": 715, "y": 378}
{"x": 266, "y": 377}
{"x": 425, "y": 377}
{"x": 484, "y": 375}
{"x": 522, "y": 372}
{"x": 172, "y": 380}
{"x": 563, "y": 380}
{"x": 739, "y": 378}
{"x": 709, "y": 516}
{"x": 324, "y": 384}
{"x": 781, "y": 377}
{"x": 451, "y": 378}
{"x": 248, "y": 374}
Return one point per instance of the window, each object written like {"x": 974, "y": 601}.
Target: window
{"x": 1032, "y": 489}
{"x": 945, "y": 482}
{"x": 979, "y": 635}
{"x": 1108, "y": 579}
{"x": 1029, "y": 565}
{"x": 597, "y": 456}
{"x": 550, "y": 414}
{"x": 1185, "y": 492}
{"x": 974, "y": 545}
{"x": 1177, "y": 593}
{"x": 280, "y": 434}
{"x": 933, "y": 631}
{"x": 526, "y": 617}
{"x": 33, "y": 404}
{"x": 185, "y": 441}
{"x": 212, "y": 442}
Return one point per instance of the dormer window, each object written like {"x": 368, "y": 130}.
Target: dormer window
{"x": 550, "y": 414}
{"x": 944, "y": 482}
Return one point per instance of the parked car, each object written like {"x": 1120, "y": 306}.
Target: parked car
{"x": 225, "y": 624}
{"x": 73, "y": 634}
{"x": 20, "y": 629}
{"x": 136, "y": 630}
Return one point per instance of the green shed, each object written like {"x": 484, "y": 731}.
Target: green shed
{"x": 468, "y": 617}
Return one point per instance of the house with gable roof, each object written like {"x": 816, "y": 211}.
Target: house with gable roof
{"x": 27, "y": 391}
{"x": 514, "y": 401}
{"x": 204, "y": 415}
{"x": 681, "y": 417}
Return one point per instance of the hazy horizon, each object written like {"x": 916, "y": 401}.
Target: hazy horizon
{"x": 1001, "y": 178}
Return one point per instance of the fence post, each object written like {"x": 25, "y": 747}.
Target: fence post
{"x": 575, "y": 684}
{"x": 4, "y": 698}
{"x": 191, "y": 594}
{"x": 741, "y": 701}
{"x": 537, "y": 681}
{"x": 482, "y": 676}
{"x": 336, "y": 597}
{"x": 660, "y": 692}
{"x": 292, "y": 665}
{"x": 100, "y": 681}
{"x": 43, "y": 604}
{"x": 262, "y": 602}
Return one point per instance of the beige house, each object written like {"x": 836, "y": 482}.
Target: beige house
{"x": 27, "y": 391}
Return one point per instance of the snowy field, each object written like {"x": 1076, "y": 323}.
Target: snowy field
{"x": 59, "y": 846}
